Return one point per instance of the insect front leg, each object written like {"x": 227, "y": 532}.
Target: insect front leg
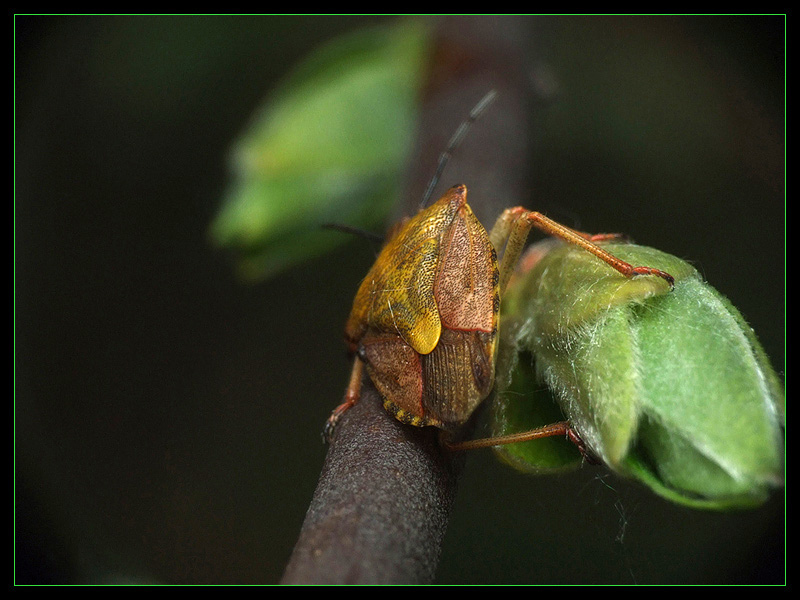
{"x": 351, "y": 396}
{"x": 513, "y": 225}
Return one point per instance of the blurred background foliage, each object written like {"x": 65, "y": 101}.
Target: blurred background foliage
{"x": 167, "y": 416}
{"x": 328, "y": 146}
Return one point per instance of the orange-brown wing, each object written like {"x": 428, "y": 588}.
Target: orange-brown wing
{"x": 467, "y": 284}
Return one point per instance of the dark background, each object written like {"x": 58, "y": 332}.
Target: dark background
{"x": 167, "y": 416}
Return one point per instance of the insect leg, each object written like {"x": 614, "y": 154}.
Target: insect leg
{"x": 351, "y": 396}
{"x": 562, "y": 428}
{"x": 603, "y": 237}
{"x": 515, "y": 223}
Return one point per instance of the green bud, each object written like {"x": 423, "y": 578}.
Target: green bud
{"x": 669, "y": 387}
{"x": 328, "y": 146}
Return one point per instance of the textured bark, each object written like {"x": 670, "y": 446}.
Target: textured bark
{"x": 381, "y": 506}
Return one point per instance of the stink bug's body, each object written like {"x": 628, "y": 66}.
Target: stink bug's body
{"x": 425, "y": 319}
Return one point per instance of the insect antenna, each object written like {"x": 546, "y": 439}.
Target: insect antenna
{"x": 458, "y": 136}
{"x": 368, "y": 235}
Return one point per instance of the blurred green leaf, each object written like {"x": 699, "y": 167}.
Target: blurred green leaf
{"x": 329, "y": 145}
{"x": 669, "y": 387}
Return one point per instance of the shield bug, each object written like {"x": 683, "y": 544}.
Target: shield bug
{"x": 424, "y": 322}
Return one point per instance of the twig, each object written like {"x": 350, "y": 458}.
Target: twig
{"x": 381, "y": 506}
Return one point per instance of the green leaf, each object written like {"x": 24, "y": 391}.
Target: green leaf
{"x": 525, "y": 404}
{"x": 666, "y": 386}
{"x": 328, "y": 145}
